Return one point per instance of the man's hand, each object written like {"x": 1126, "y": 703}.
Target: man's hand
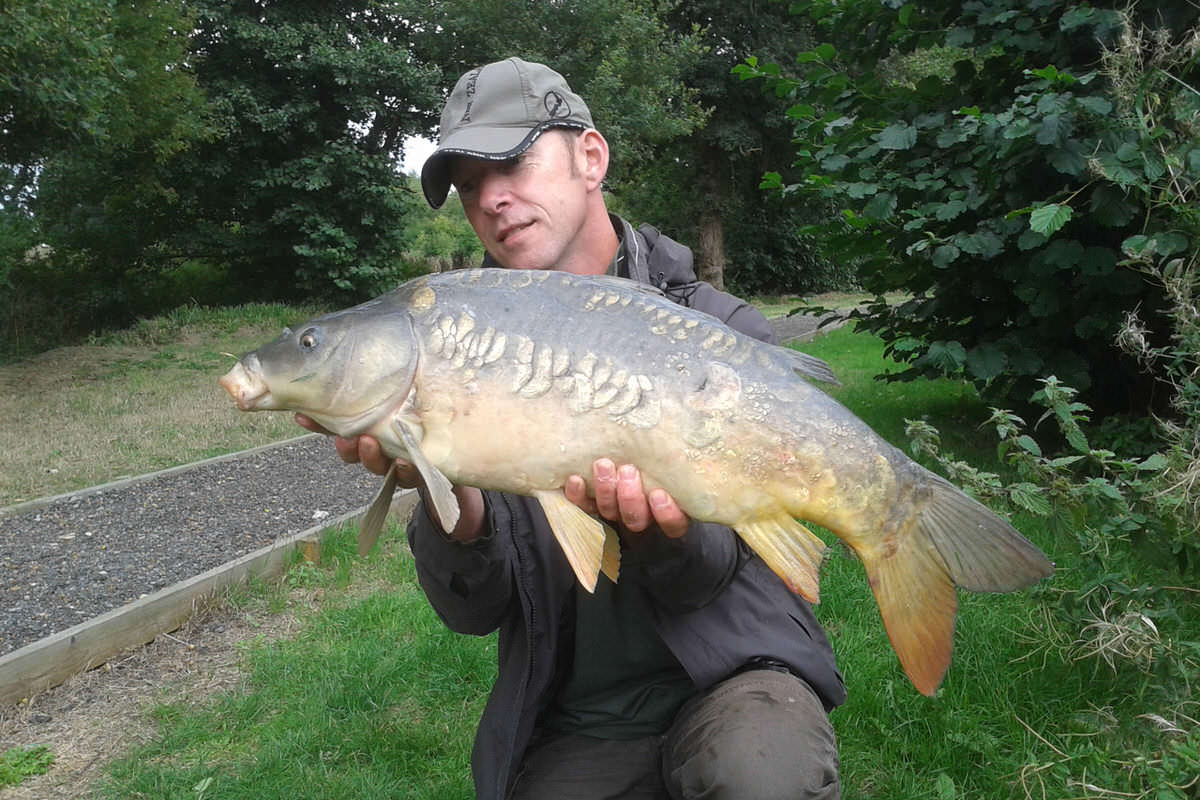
{"x": 620, "y": 497}
{"x": 359, "y": 449}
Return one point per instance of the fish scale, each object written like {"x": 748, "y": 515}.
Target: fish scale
{"x": 515, "y": 380}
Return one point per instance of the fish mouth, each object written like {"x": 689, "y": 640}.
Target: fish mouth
{"x": 245, "y": 385}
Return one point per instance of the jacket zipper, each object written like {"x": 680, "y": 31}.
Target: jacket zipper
{"x": 530, "y": 620}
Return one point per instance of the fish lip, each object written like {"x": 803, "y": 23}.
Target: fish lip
{"x": 245, "y": 385}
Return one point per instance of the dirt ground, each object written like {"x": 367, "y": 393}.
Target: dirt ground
{"x": 101, "y": 714}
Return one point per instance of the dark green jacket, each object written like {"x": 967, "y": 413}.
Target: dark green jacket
{"x": 716, "y": 604}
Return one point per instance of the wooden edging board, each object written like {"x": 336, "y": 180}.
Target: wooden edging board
{"x": 48, "y": 662}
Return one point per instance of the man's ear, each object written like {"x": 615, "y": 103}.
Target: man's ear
{"x": 593, "y": 150}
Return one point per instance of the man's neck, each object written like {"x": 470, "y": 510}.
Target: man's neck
{"x": 599, "y": 245}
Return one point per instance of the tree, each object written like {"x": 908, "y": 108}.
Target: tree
{"x": 986, "y": 158}
{"x": 96, "y": 97}
{"x": 58, "y": 74}
{"x": 300, "y": 192}
{"x": 705, "y": 188}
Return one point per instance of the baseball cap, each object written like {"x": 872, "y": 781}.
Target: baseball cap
{"x": 496, "y": 112}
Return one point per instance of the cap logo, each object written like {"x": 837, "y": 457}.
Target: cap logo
{"x": 556, "y": 105}
{"x": 472, "y": 78}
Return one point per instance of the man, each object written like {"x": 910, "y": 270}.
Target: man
{"x": 698, "y": 674}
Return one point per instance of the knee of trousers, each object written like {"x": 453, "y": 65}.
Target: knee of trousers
{"x": 760, "y": 735}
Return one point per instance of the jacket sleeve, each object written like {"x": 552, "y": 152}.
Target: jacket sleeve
{"x": 470, "y": 586}
{"x": 734, "y": 312}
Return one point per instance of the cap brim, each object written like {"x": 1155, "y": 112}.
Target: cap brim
{"x": 488, "y": 143}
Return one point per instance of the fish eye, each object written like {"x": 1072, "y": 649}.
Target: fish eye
{"x": 310, "y": 339}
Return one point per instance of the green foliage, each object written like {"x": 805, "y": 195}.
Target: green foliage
{"x": 1109, "y": 503}
{"x": 441, "y": 239}
{"x": 102, "y": 200}
{"x": 618, "y": 54}
{"x": 20, "y": 763}
{"x": 299, "y": 192}
{"x": 60, "y": 73}
{"x": 246, "y": 152}
{"x": 998, "y": 188}
{"x": 1116, "y": 601}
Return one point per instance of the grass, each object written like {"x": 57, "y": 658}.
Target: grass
{"x": 133, "y": 402}
{"x": 375, "y": 698}
{"x": 20, "y": 763}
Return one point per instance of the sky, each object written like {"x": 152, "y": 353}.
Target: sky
{"x": 416, "y": 150}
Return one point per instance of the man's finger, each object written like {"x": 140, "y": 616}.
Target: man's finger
{"x": 347, "y": 448}
{"x": 576, "y": 491}
{"x": 604, "y": 484}
{"x": 667, "y": 513}
{"x": 631, "y": 498}
{"x": 370, "y": 453}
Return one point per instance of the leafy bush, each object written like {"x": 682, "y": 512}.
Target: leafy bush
{"x": 1119, "y": 603}
{"x": 999, "y": 191}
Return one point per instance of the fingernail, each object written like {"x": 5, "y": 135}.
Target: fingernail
{"x": 658, "y": 499}
{"x": 628, "y": 472}
{"x": 604, "y": 469}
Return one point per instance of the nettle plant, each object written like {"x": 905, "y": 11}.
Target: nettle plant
{"x": 991, "y": 159}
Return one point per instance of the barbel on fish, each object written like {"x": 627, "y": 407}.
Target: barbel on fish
{"x": 515, "y": 380}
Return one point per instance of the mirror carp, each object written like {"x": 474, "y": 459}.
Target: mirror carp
{"x": 515, "y": 380}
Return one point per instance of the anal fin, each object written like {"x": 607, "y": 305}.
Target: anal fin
{"x": 793, "y": 551}
{"x": 590, "y": 545}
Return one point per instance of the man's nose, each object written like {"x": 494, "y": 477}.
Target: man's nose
{"x": 495, "y": 192}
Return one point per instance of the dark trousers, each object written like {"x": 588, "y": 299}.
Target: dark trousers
{"x": 760, "y": 735}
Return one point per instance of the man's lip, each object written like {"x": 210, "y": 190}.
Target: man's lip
{"x": 509, "y": 230}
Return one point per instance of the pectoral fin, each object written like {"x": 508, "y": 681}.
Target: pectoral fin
{"x": 610, "y": 565}
{"x": 441, "y": 493}
{"x": 793, "y": 551}
{"x": 591, "y": 546}
{"x": 372, "y": 521}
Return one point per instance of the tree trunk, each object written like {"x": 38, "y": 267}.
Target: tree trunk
{"x": 710, "y": 250}
{"x": 710, "y": 255}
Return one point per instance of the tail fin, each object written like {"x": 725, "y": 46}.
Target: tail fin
{"x": 982, "y": 551}
{"x": 918, "y": 604}
{"x": 953, "y": 540}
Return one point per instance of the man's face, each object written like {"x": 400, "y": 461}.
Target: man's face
{"x": 528, "y": 211}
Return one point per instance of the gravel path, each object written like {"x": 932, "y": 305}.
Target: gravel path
{"x": 66, "y": 562}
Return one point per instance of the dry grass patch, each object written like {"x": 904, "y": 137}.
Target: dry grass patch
{"x": 145, "y": 400}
